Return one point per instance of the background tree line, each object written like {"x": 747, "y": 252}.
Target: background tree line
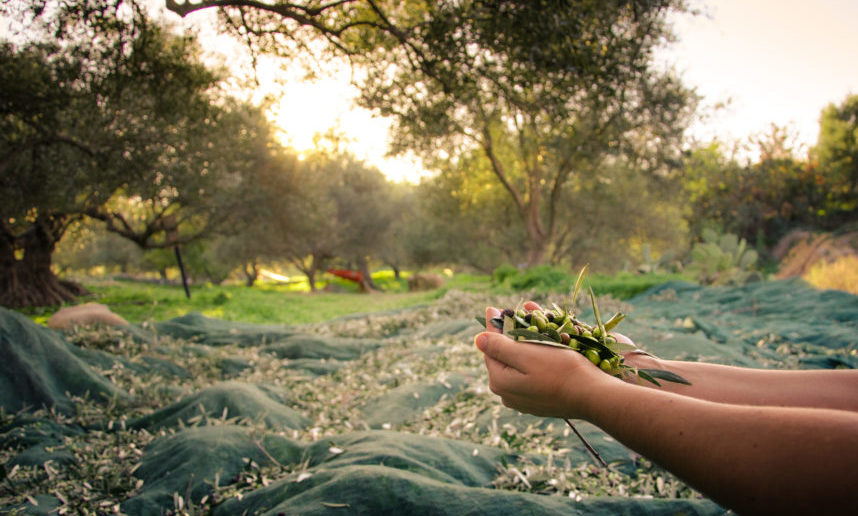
{"x": 553, "y": 138}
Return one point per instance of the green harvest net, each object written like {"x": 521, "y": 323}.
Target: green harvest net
{"x": 379, "y": 414}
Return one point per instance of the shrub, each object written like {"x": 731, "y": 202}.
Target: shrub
{"x": 425, "y": 281}
{"x": 504, "y": 272}
{"x": 722, "y": 260}
{"x": 841, "y": 274}
{"x": 542, "y": 278}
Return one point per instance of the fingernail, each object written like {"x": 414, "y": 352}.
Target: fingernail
{"x": 480, "y": 341}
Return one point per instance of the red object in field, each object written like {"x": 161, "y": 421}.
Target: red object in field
{"x": 350, "y": 275}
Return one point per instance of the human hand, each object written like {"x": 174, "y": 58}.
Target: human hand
{"x": 539, "y": 380}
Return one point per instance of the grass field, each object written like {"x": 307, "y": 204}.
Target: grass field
{"x": 292, "y": 303}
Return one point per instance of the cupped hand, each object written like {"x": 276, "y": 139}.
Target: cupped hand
{"x": 539, "y": 380}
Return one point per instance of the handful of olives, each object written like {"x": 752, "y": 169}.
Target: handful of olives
{"x": 560, "y": 328}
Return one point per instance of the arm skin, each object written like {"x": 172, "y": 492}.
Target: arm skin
{"x": 754, "y": 459}
{"x": 818, "y": 388}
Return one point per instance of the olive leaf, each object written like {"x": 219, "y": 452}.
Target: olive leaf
{"x": 481, "y": 320}
{"x": 642, "y": 374}
{"x": 663, "y": 374}
{"x": 530, "y": 335}
{"x": 614, "y": 321}
{"x": 619, "y": 347}
{"x": 508, "y": 324}
{"x": 578, "y": 284}
{"x": 602, "y": 333}
{"x": 545, "y": 343}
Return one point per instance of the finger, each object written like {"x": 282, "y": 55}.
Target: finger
{"x": 502, "y": 377}
{"x": 506, "y": 351}
{"x": 622, "y": 339}
{"x": 530, "y": 305}
{"x": 491, "y": 313}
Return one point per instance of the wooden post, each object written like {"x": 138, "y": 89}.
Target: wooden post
{"x": 182, "y": 269}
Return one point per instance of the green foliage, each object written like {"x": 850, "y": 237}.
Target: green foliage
{"x": 837, "y": 152}
{"x": 625, "y": 285}
{"x": 608, "y": 218}
{"x": 665, "y": 263}
{"x": 108, "y": 115}
{"x": 504, "y": 272}
{"x": 552, "y": 279}
{"x": 88, "y": 246}
{"x": 464, "y": 218}
{"x": 533, "y": 146}
{"x": 723, "y": 260}
{"x": 763, "y": 200}
{"x": 517, "y": 104}
{"x": 544, "y": 278}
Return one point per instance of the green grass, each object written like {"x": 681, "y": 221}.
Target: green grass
{"x": 625, "y": 285}
{"x": 292, "y": 303}
{"x": 275, "y": 304}
{"x": 548, "y": 279}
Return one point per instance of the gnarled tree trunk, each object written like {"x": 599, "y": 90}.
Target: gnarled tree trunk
{"x": 251, "y": 273}
{"x": 26, "y": 278}
{"x": 366, "y": 283}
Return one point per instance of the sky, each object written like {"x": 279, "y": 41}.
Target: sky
{"x": 775, "y": 61}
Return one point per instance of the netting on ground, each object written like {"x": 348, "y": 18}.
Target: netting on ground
{"x": 381, "y": 414}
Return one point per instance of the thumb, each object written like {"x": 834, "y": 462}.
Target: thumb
{"x": 501, "y": 349}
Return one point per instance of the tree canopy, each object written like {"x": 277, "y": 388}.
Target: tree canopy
{"x": 111, "y": 116}
{"x": 837, "y": 151}
{"x": 545, "y": 90}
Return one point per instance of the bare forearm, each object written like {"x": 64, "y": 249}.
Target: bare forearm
{"x": 755, "y": 460}
{"x": 818, "y": 388}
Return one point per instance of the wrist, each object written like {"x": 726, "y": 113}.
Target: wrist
{"x": 600, "y": 397}
{"x": 589, "y": 396}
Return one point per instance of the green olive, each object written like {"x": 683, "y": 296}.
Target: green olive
{"x": 593, "y": 356}
{"x": 605, "y": 365}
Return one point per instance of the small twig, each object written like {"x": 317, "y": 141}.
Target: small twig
{"x": 272, "y": 459}
{"x": 590, "y": 449}
{"x": 188, "y": 502}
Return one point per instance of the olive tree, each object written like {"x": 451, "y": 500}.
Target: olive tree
{"x": 547, "y": 91}
{"x": 339, "y": 209}
{"x": 108, "y": 116}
